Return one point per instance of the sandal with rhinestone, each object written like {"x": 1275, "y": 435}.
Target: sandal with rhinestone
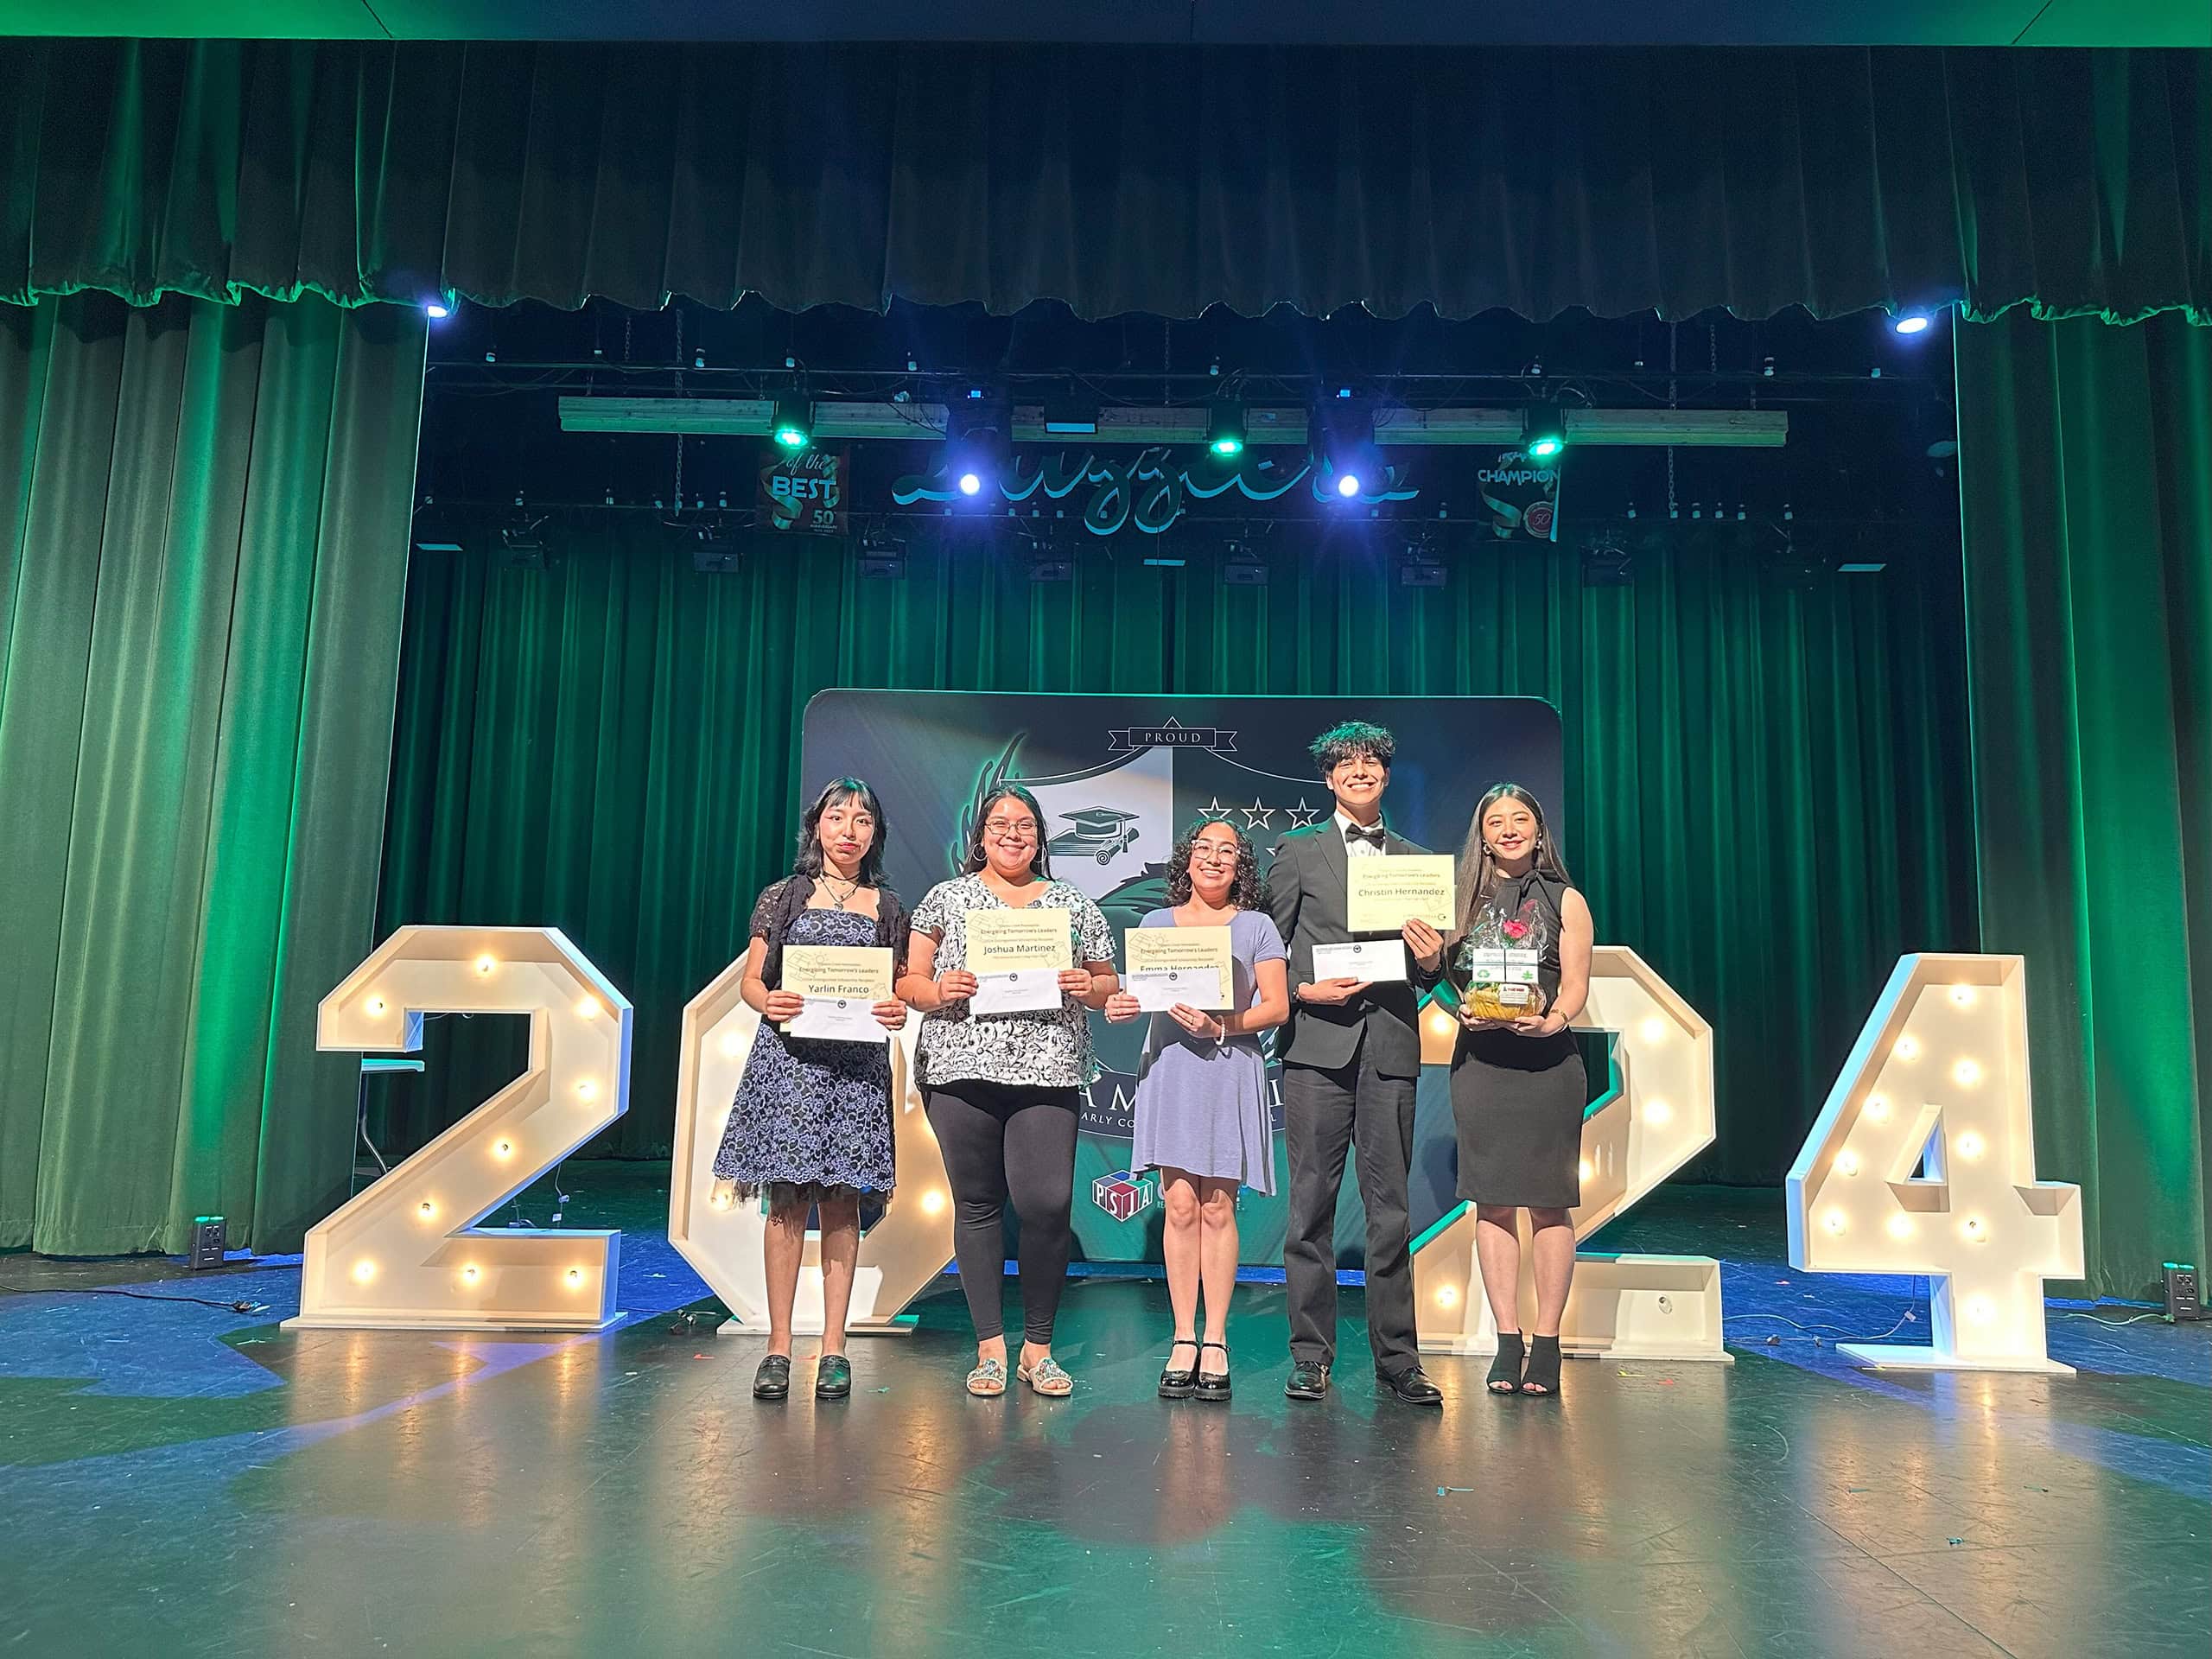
{"x": 987, "y": 1380}
{"x": 1045, "y": 1377}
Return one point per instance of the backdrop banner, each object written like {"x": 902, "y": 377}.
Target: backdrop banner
{"x": 1120, "y": 777}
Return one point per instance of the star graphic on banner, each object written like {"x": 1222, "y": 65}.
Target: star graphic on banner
{"x": 1301, "y": 815}
{"x": 1215, "y": 809}
{"x": 1257, "y": 817}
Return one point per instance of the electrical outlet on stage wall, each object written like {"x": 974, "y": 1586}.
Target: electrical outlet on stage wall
{"x": 1658, "y": 1116}
{"x": 901, "y": 1255}
{"x": 1923, "y": 1161}
{"x": 408, "y": 1251}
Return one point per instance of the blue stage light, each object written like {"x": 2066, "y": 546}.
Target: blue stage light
{"x": 971, "y": 483}
{"x": 437, "y": 309}
{"x": 1913, "y": 322}
{"x": 1347, "y": 485}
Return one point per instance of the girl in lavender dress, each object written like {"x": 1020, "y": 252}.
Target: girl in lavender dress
{"x": 1202, "y": 1118}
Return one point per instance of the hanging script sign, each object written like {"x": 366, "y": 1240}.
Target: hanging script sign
{"x": 1150, "y": 489}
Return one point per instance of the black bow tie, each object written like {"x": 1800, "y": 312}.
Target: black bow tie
{"x": 1372, "y": 838}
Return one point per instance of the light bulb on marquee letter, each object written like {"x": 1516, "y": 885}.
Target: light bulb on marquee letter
{"x": 413, "y": 1272}
{"x": 1657, "y": 1116}
{"x": 901, "y": 1255}
{"x": 2011, "y": 1232}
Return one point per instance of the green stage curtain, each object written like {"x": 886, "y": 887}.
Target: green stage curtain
{"x": 203, "y": 526}
{"x": 1116, "y": 178}
{"x": 2086, "y": 455}
{"x": 1767, "y": 787}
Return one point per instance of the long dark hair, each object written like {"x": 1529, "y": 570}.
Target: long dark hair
{"x": 1478, "y": 874}
{"x": 1247, "y": 890}
{"x": 837, "y": 791}
{"x": 1041, "y": 865}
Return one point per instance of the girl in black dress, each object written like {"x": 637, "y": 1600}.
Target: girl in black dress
{"x": 1518, "y": 1089}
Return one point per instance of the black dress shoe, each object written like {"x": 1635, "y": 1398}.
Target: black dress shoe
{"x": 1179, "y": 1382}
{"x": 833, "y": 1377}
{"x": 1411, "y": 1386}
{"x": 773, "y": 1380}
{"x": 1309, "y": 1380}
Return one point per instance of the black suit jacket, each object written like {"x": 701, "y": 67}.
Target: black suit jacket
{"x": 1309, "y": 895}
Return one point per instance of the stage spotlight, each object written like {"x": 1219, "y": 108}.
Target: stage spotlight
{"x": 1607, "y": 564}
{"x": 1543, "y": 434}
{"x": 1348, "y": 461}
{"x": 437, "y": 310}
{"x": 794, "y": 423}
{"x": 976, "y": 442}
{"x": 1070, "y": 413}
{"x": 522, "y": 544}
{"x": 1225, "y": 427}
{"x": 1912, "y": 322}
{"x": 713, "y": 553}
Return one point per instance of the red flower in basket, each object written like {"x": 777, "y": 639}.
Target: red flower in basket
{"x": 1516, "y": 930}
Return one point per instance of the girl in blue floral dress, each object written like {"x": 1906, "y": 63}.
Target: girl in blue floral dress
{"x": 810, "y": 1127}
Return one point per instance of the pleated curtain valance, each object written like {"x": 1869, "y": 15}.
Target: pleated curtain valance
{"x": 1154, "y": 179}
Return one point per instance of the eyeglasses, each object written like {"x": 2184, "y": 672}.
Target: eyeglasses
{"x": 1011, "y": 827}
{"x": 1201, "y": 855}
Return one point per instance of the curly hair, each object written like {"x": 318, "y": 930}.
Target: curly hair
{"x": 1041, "y": 865}
{"x": 1246, "y": 892}
{"x": 1350, "y": 739}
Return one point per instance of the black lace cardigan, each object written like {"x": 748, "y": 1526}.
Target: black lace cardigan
{"x": 778, "y": 906}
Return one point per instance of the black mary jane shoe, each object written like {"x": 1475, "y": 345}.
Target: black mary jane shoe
{"x": 1505, "y": 1379}
{"x": 1214, "y": 1385}
{"x": 1178, "y": 1384}
{"x": 1542, "y": 1379}
{"x": 773, "y": 1380}
{"x": 1309, "y": 1380}
{"x": 1410, "y": 1387}
{"x": 833, "y": 1377}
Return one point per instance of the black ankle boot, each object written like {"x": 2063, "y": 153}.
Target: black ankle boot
{"x": 1505, "y": 1369}
{"x": 1542, "y": 1379}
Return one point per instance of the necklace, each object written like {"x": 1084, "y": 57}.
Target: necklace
{"x": 841, "y": 900}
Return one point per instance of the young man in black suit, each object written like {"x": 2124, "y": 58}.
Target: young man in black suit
{"x": 1351, "y": 1057}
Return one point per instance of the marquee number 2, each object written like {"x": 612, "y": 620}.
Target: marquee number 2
{"x": 408, "y": 1251}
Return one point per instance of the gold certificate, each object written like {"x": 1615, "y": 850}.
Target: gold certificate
{"x": 842, "y": 985}
{"x": 1190, "y": 965}
{"x": 1384, "y": 892}
{"x": 1015, "y": 941}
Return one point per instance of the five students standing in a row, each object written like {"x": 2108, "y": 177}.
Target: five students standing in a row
{"x": 811, "y": 1125}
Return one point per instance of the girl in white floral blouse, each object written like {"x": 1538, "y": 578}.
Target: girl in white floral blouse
{"x": 1004, "y": 1092}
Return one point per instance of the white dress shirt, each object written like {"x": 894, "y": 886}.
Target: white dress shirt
{"x": 1356, "y": 848}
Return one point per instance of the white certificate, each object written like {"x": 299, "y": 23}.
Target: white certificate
{"x": 1158, "y": 989}
{"x": 1368, "y": 959}
{"x": 1024, "y": 990}
{"x": 838, "y": 1020}
{"x": 840, "y": 984}
{"x": 1195, "y": 966}
{"x": 1017, "y": 957}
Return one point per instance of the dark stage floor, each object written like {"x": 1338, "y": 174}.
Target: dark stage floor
{"x": 180, "y": 1479}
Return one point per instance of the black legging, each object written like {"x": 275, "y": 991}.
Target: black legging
{"x": 1002, "y": 1140}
